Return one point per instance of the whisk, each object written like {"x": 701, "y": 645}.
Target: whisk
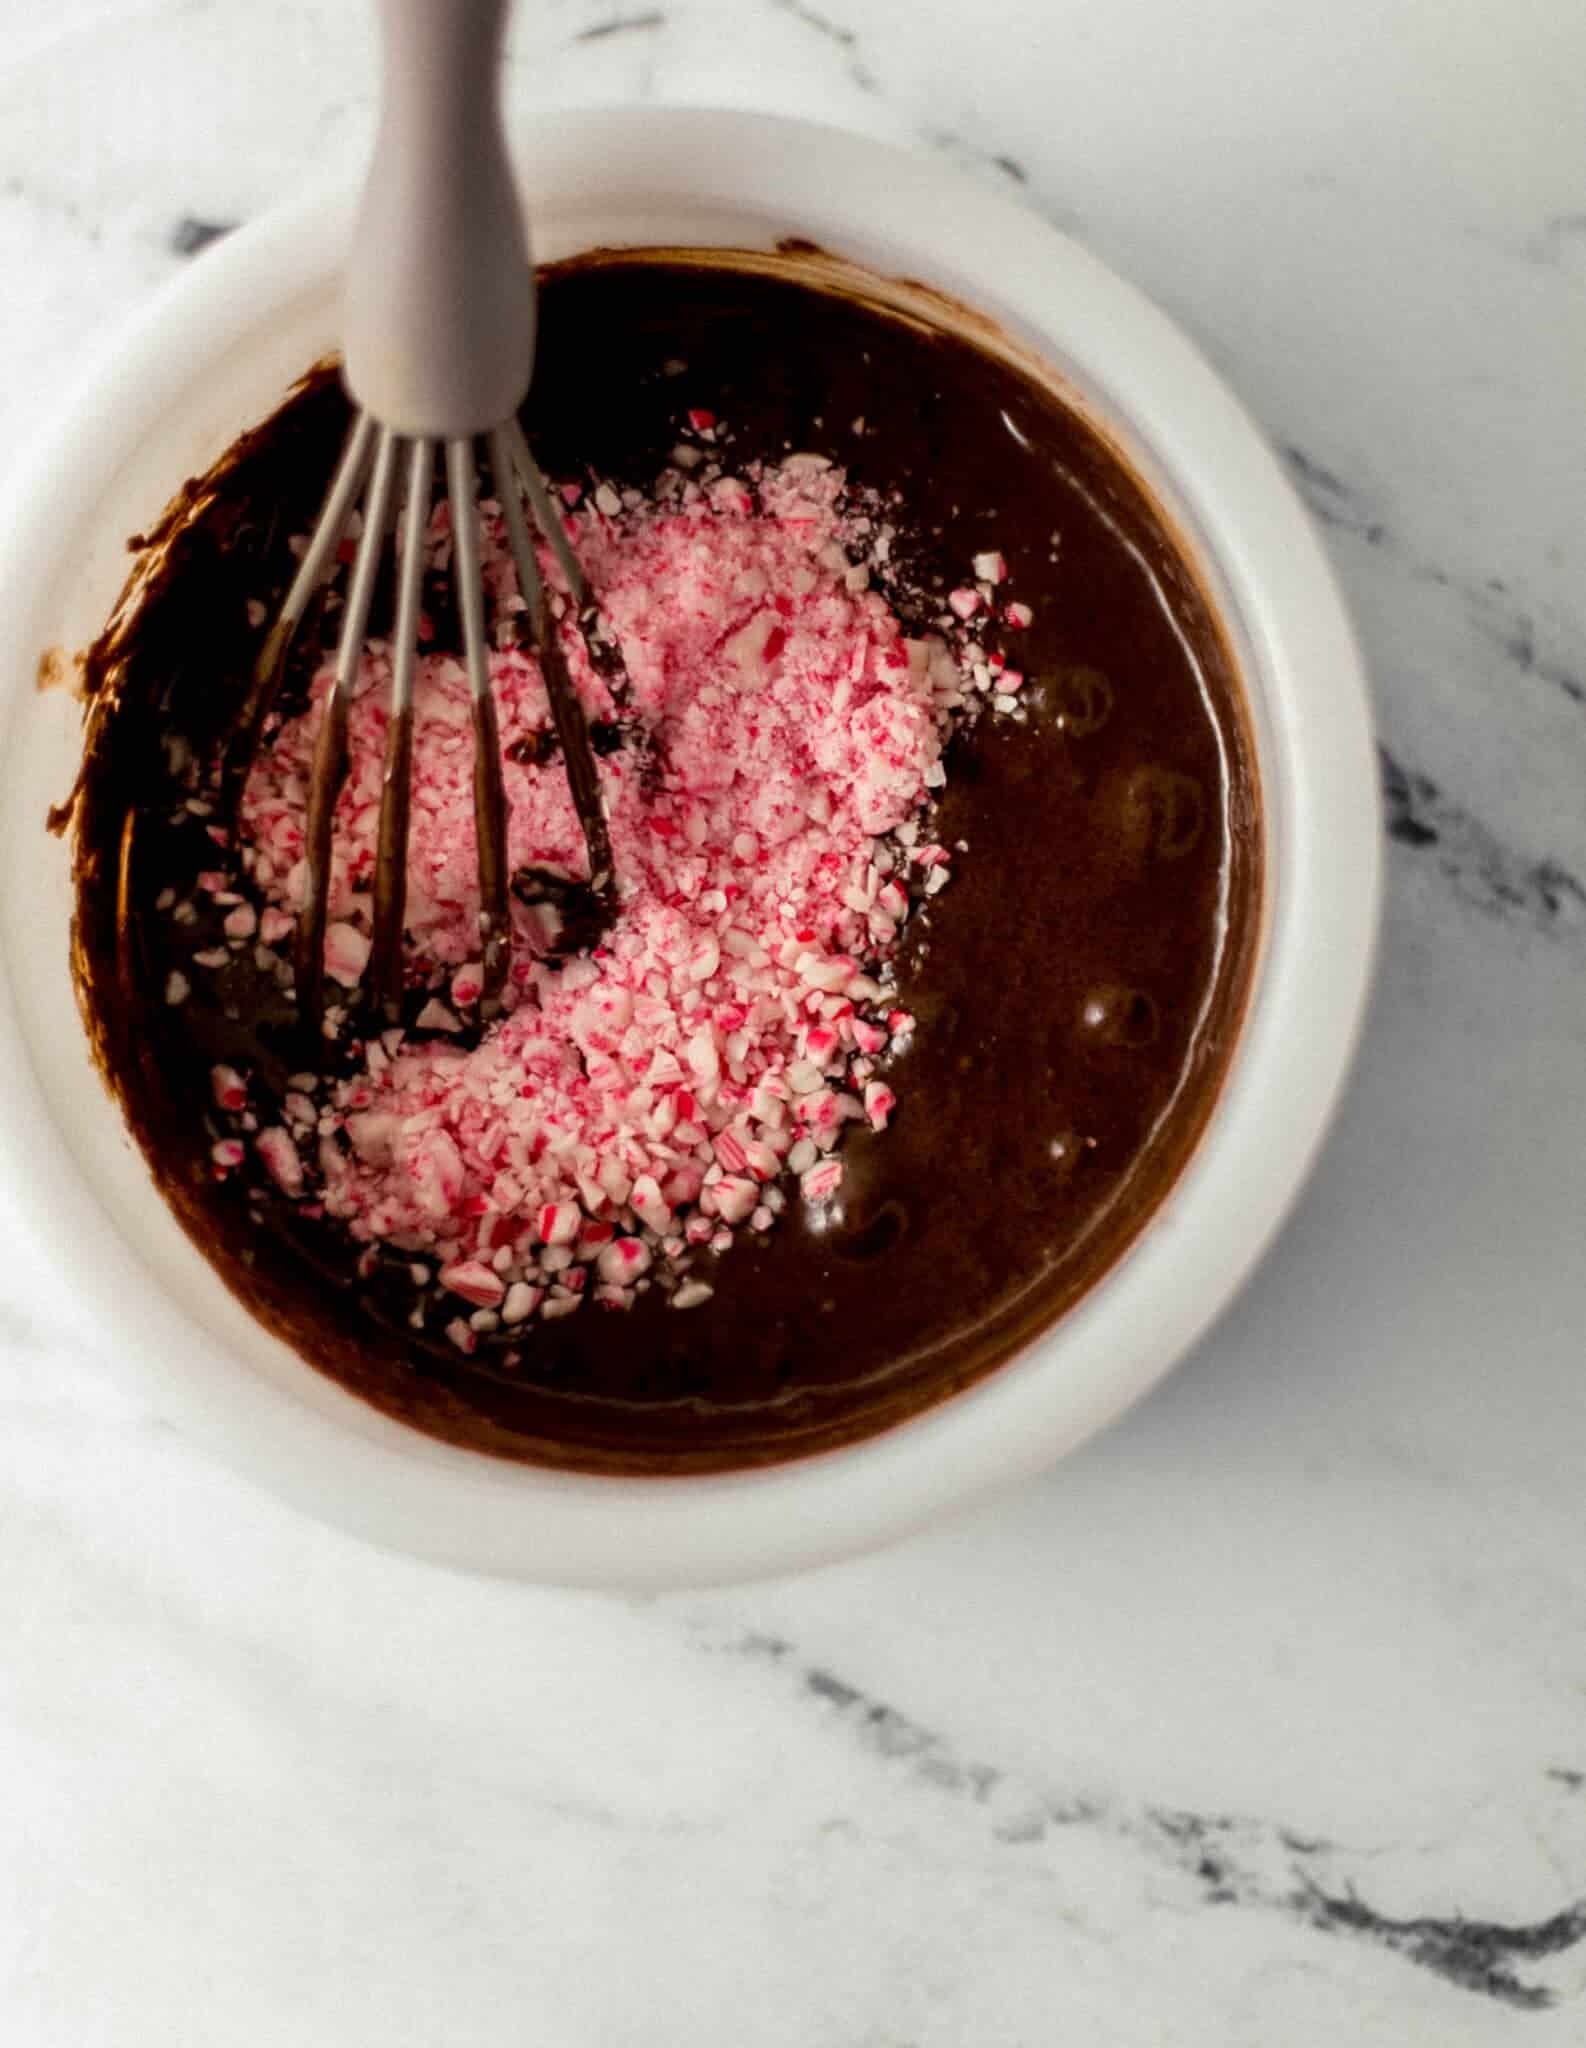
{"x": 438, "y": 342}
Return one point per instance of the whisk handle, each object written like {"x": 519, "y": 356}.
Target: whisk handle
{"x": 438, "y": 319}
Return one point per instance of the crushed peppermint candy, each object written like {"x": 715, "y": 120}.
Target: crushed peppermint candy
{"x": 770, "y": 805}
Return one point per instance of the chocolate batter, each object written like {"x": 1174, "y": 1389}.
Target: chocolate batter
{"x": 1078, "y": 986}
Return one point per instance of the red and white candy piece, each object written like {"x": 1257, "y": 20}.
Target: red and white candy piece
{"x": 281, "y": 1160}
{"x": 346, "y": 953}
{"x": 475, "y": 1282}
{"x": 558, "y": 1223}
{"x": 227, "y": 1088}
{"x": 821, "y": 1182}
{"x": 623, "y": 1261}
{"x": 731, "y": 1198}
{"x": 649, "y": 1205}
{"x": 521, "y": 1301}
{"x": 879, "y": 1104}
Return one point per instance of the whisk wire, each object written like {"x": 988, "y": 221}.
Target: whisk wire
{"x": 548, "y": 518}
{"x": 329, "y": 769}
{"x": 571, "y": 729}
{"x": 490, "y": 810}
{"x": 397, "y": 477}
{"x": 390, "y": 887}
{"x": 318, "y": 559}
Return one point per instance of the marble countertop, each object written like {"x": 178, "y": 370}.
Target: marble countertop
{"x": 1263, "y": 1719}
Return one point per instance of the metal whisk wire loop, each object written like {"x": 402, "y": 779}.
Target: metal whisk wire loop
{"x": 377, "y": 453}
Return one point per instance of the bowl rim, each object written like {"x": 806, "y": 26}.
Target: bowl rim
{"x": 1310, "y": 984}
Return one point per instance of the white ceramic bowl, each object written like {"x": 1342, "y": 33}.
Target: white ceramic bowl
{"x": 214, "y": 355}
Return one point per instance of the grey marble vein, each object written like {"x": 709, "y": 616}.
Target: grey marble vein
{"x": 1559, "y": 234}
{"x": 193, "y": 233}
{"x": 1332, "y": 502}
{"x": 1485, "y": 873}
{"x": 1517, "y": 631}
{"x": 960, "y": 149}
{"x": 644, "y": 23}
{"x": 1217, "y": 1859}
{"x": 846, "y": 40}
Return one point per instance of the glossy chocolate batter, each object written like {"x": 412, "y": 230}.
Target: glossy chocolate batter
{"x": 1078, "y": 985}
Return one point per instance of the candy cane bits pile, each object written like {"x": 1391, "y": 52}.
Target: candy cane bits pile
{"x": 771, "y": 776}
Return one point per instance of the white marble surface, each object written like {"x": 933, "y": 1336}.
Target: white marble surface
{"x": 1261, "y": 1721}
